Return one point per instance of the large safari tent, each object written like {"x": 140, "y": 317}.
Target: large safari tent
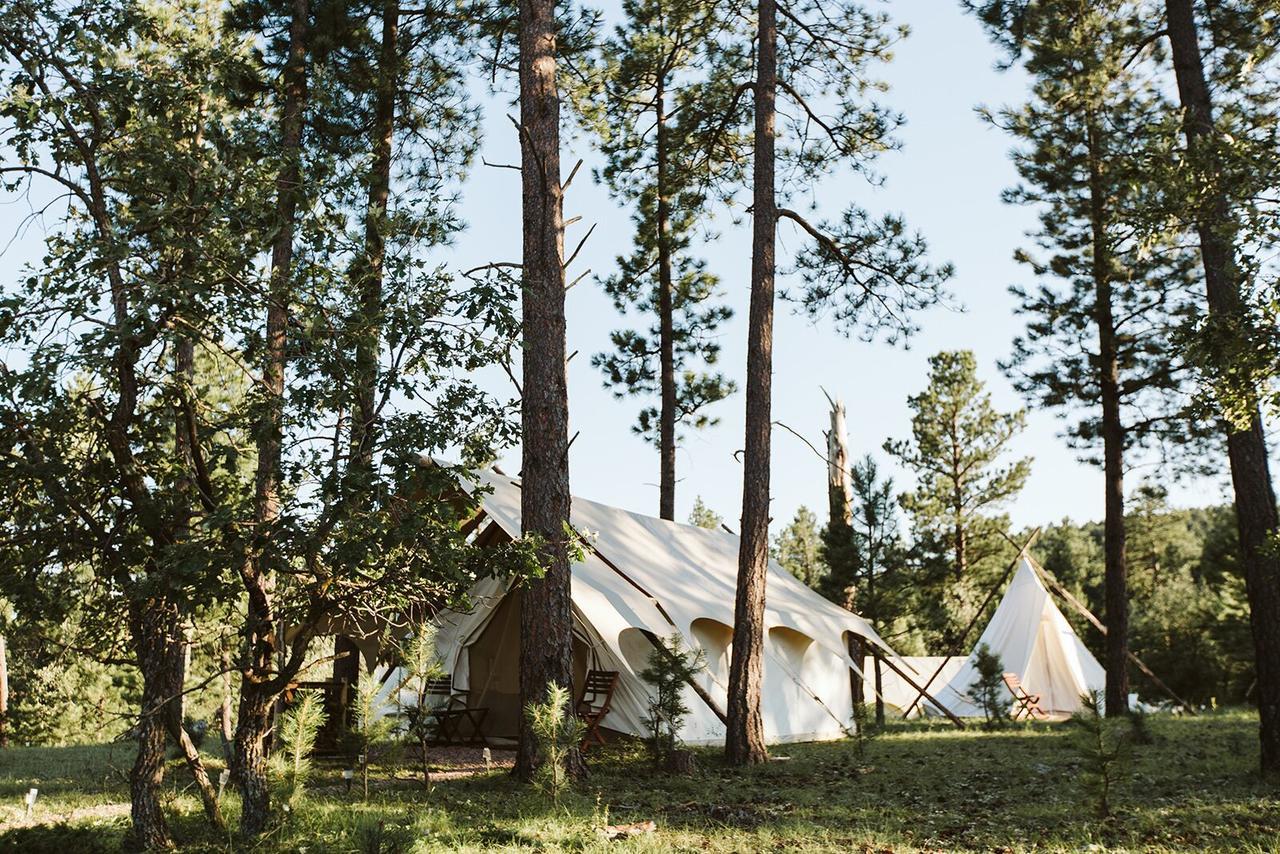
{"x": 642, "y": 578}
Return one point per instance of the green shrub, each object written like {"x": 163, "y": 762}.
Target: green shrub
{"x": 1103, "y": 747}
{"x": 556, "y": 733}
{"x": 989, "y": 691}
{"x": 421, "y": 665}
{"x": 370, "y": 731}
{"x": 297, "y": 731}
{"x": 670, "y": 668}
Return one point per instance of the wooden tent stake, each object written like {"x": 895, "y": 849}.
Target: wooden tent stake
{"x": 964, "y": 637}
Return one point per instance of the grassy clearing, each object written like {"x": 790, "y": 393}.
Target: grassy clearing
{"x": 915, "y": 788}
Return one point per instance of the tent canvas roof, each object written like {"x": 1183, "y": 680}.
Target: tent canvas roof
{"x": 1035, "y": 641}
{"x": 645, "y": 575}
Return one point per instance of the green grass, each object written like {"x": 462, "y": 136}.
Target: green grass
{"x": 918, "y": 787}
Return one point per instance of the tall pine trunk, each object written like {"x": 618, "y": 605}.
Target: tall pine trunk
{"x": 1256, "y": 514}
{"x": 666, "y": 319}
{"x": 1116, "y": 593}
{"x": 744, "y": 739}
{"x": 369, "y": 270}
{"x": 257, "y": 688}
{"x": 546, "y": 625}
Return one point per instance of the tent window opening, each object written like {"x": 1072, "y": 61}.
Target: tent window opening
{"x": 716, "y": 641}
{"x": 792, "y": 646}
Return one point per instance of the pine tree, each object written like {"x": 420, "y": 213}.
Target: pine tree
{"x": 866, "y": 273}
{"x": 703, "y": 516}
{"x": 956, "y": 452}
{"x": 546, "y": 620}
{"x": 1101, "y": 325}
{"x": 1232, "y": 161}
{"x": 796, "y": 548}
{"x": 647, "y": 127}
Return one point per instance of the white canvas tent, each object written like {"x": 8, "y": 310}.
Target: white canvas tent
{"x": 1036, "y": 642}
{"x": 641, "y": 578}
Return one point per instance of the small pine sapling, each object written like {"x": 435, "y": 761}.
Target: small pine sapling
{"x": 297, "y": 730}
{"x": 556, "y": 733}
{"x": 671, "y": 666}
{"x": 370, "y": 731}
{"x": 421, "y": 666}
{"x": 1103, "y": 747}
{"x": 988, "y": 691}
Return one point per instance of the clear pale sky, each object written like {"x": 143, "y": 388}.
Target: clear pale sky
{"x": 946, "y": 180}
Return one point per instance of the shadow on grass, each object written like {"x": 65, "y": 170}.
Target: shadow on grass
{"x": 59, "y": 839}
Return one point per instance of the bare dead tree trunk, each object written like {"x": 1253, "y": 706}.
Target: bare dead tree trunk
{"x": 1116, "y": 593}
{"x": 1256, "y": 514}
{"x": 840, "y": 519}
{"x": 666, "y": 319}
{"x": 257, "y": 688}
{"x": 546, "y": 625}
{"x": 744, "y": 739}
{"x": 839, "y": 487}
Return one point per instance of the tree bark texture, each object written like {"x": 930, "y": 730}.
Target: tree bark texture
{"x": 156, "y": 629}
{"x": 840, "y": 517}
{"x": 369, "y": 270}
{"x": 1116, "y": 593}
{"x": 666, "y": 320}
{"x": 1256, "y": 515}
{"x": 744, "y": 740}
{"x": 546, "y": 622}
{"x": 257, "y": 689}
{"x": 839, "y": 487}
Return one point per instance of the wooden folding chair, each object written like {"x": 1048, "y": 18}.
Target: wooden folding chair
{"x": 593, "y": 704}
{"x": 1025, "y": 704}
{"x": 453, "y": 713}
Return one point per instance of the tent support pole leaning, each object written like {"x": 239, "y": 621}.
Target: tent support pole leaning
{"x": 968, "y": 630}
{"x": 924, "y": 692}
{"x": 1052, "y": 584}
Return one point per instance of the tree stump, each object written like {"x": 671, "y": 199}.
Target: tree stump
{"x": 681, "y": 762}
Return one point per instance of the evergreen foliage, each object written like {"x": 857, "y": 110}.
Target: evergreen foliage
{"x": 988, "y": 689}
{"x": 421, "y": 664}
{"x": 670, "y": 668}
{"x": 660, "y": 66}
{"x": 957, "y": 451}
{"x": 370, "y": 733}
{"x": 297, "y": 730}
{"x": 557, "y": 732}
{"x": 703, "y": 516}
{"x": 797, "y": 548}
{"x": 1103, "y": 747}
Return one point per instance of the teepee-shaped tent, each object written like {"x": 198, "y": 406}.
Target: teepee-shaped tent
{"x": 1037, "y": 643}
